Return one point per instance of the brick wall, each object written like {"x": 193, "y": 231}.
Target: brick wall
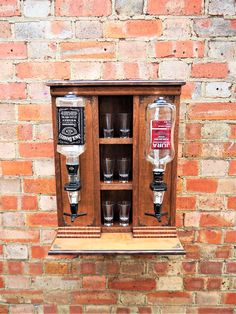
{"x": 118, "y": 39}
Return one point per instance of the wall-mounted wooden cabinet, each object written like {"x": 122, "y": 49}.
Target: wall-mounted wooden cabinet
{"x": 143, "y": 234}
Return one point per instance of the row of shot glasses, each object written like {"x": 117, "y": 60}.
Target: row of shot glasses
{"x": 123, "y": 124}
{"x": 123, "y": 167}
{"x": 123, "y": 209}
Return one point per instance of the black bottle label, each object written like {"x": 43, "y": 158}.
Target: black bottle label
{"x": 70, "y": 125}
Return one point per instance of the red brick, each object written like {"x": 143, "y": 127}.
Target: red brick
{"x": 230, "y": 236}
{"x": 172, "y": 7}
{"x": 42, "y": 186}
{"x": 215, "y": 310}
{"x": 12, "y": 91}
{"x": 34, "y": 112}
{"x": 35, "y": 269}
{"x": 186, "y": 203}
{"x": 223, "y": 252}
{"x": 229, "y": 149}
{"x": 4, "y": 309}
{"x": 15, "y": 268}
{"x": 36, "y": 149}
{"x": 232, "y": 167}
{"x": 94, "y": 297}
{"x": 187, "y": 90}
{"x": 83, "y": 8}
{"x": 56, "y": 268}
{"x": 144, "y": 310}
{"x": 112, "y": 268}
{"x": 186, "y": 236}
{"x": 210, "y": 70}
{"x": 189, "y": 267}
{"x": 229, "y": 298}
{"x": 75, "y": 309}
{"x": 13, "y": 50}
{"x": 210, "y": 236}
{"x": 193, "y": 131}
{"x": 212, "y": 111}
{"x": 216, "y": 220}
{"x": 232, "y": 131}
{"x": 29, "y": 202}
{"x": 210, "y": 268}
{"x": 132, "y": 28}
{"x": 231, "y": 204}
{"x": 170, "y": 298}
{"x": 201, "y": 185}
{"x": 5, "y": 29}
{"x": 17, "y": 168}
{"x": 214, "y": 283}
{"x": 123, "y": 310}
{"x": 9, "y": 8}
{"x": 161, "y": 268}
{"x": 193, "y": 149}
{"x": 42, "y": 219}
{"x": 39, "y": 251}
{"x": 43, "y": 70}
{"x": 231, "y": 267}
{"x": 25, "y": 132}
{"x": 88, "y": 50}
{"x": 94, "y": 282}
{"x": 179, "y": 49}
{"x": 132, "y": 284}
{"x": 194, "y": 283}
{"x": 88, "y": 268}
{"x": 187, "y": 167}
{"x": 50, "y": 309}
{"x": 8, "y": 202}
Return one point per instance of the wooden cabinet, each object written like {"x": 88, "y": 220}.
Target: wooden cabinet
{"x": 144, "y": 234}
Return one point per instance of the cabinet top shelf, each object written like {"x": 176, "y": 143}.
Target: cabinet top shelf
{"x": 115, "y": 82}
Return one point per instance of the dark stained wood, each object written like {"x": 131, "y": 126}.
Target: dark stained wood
{"x": 91, "y": 83}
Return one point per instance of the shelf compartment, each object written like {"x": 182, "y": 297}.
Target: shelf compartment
{"x": 115, "y": 140}
{"x": 116, "y": 185}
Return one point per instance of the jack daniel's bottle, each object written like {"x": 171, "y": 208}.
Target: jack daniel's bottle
{"x": 71, "y": 144}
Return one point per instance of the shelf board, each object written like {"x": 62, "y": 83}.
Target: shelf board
{"x": 116, "y": 228}
{"x": 116, "y": 185}
{"x": 115, "y": 140}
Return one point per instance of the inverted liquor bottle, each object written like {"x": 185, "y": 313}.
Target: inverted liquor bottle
{"x": 71, "y": 144}
{"x": 159, "y": 147}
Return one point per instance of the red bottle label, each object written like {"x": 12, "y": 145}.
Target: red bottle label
{"x": 161, "y": 134}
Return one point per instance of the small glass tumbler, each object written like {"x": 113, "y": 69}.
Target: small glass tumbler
{"x": 124, "y": 120}
{"x": 108, "y": 213}
{"x": 108, "y": 170}
{"x": 123, "y": 169}
{"x": 108, "y": 125}
{"x": 124, "y": 209}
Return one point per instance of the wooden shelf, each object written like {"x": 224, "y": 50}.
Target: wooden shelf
{"x": 115, "y": 140}
{"x": 116, "y": 185}
{"x": 117, "y": 228}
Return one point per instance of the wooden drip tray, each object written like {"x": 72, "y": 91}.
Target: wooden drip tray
{"x": 117, "y": 243}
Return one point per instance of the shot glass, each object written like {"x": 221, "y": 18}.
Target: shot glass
{"x": 108, "y": 213}
{"x": 124, "y": 209}
{"x": 124, "y": 120}
{"x": 108, "y": 170}
{"x": 123, "y": 169}
{"x": 108, "y": 125}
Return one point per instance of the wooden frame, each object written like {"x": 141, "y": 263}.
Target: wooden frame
{"x": 114, "y": 96}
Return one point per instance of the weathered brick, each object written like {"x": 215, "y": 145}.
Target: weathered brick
{"x": 34, "y": 112}
{"x": 16, "y": 251}
{"x": 13, "y": 50}
{"x": 232, "y": 167}
{"x": 229, "y": 298}
{"x": 169, "y": 298}
{"x": 43, "y": 132}
{"x": 217, "y": 220}
{"x": 231, "y": 204}
{"x": 173, "y": 7}
{"x": 58, "y": 29}
{"x": 38, "y": 185}
{"x": 210, "y": 236}
{"x": 13, "y": 219}
{"x": 42, "y": 219}
{"x": 177, "y": 28}
{"x": 39, "y": 252}
{"x": 131, "y": 50}
{"x": 230, "y": 236}
{"x": 7, "y": 71}
{"x": 207, "y": 298}
{"x": 174, "y": 70}
{"x": 194, "y": 284}
{"x": 232, "y": 69}
{"x": 129, "y": 8}
{"x": 85, "y": 50}
{"x": 192, "y": 219}
{"x": 18, "y": 235}
{"x": 201, "y": 185}
{"x": 17, "y": 282}
{"x": 43, "y": 70}
{"x": 85, "y": 70}
{"x": 29, "y": 202}
{"x": 15, "y": 267}
{"x": 188, "y": 168}
{"x": 9, "y": 8}
{"x": 88, "y": 29}
{"x": 132, "y": 284}
{"x": 25, "y": 132}
{"x": 36, "y": 149}
{"x": 130, "y": 299}
{"x": 56, "y": 268}
{"x": 8, "y": 111}
{"x": 7, "y": 132}
{"x": 222, "y": 50}
{"x": 217, "y": 7}
{"x": 229, "y": 149}
{"x": 47, "y": 203}
{"x": 22, "y": 308}
{"x": 209, "y": 70}
{"x": 223, "y": 251}
{"x": 94, "y": 297}
{"x": 17, "y": 167}
{"x": 30, "y": 30}
{"x": 44, "y": 51}
{"x": 218, "y": 89}
{"x": 179, "y": 49}
{"x": 214, "y": 283}
{"x": 5, "y": 29}
{"x": 12, "y": 91}
{"x": 44, "y": 167}
{"x": 213, "y": 168}
{"x": 212, "y": 111}
{"x": 94, "y": 282}
{"x": 9, "y": 186}
{"x": 213, "y": 27}
{"x": 226, "y": 186}
{"x": 81, "y": 8}
{"x": 215, "y": 130}
{"x": 164, "y": 283}
{"x": 8, "y": 202}
{"x": 186, "y": 202}
{"x": 193, "y": 131}
{"x": 36, "y": 8}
